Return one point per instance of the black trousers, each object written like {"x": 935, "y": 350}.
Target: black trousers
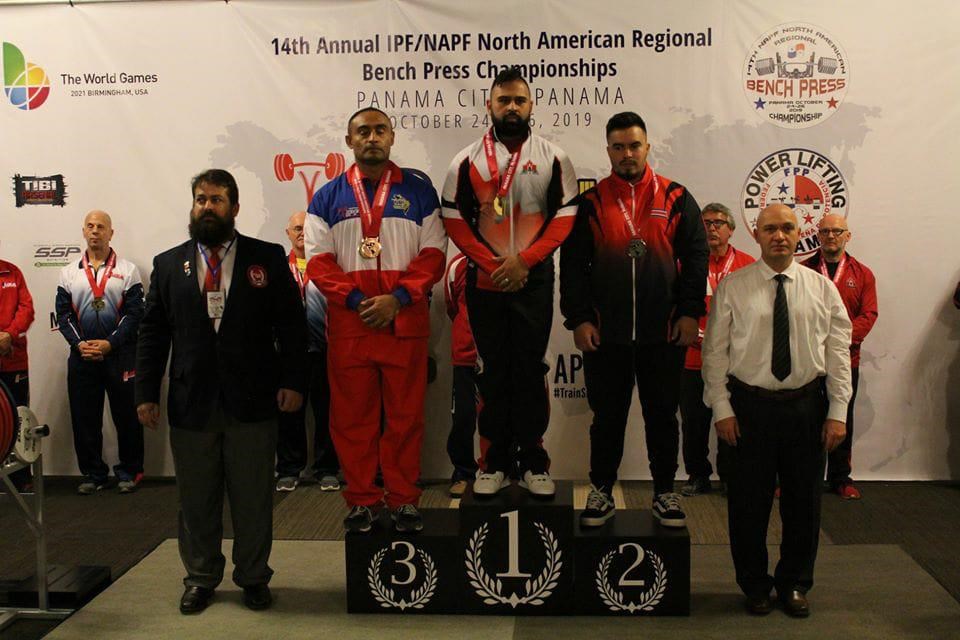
{"x": 292, "y": 427}
{"x": 610, "y": 374}
{"x": 464, "y": 426}
{"x": 839, "y": 461}
{"x": 697, "y": 425}
{"x": 19, "y": 385}
{"x": 511, "y": 331}
{"x": 86, "y": 384}
{"x": 779, "y": 439}
{"x": 236, "y": 458}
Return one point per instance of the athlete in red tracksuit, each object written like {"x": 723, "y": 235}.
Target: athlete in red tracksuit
{"x": 376, "y": 247}
{"x": 16, "y": 316}
{"x": 858, "y": 289}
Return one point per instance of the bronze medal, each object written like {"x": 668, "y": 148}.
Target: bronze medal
{"x": 370, "y": 248}
{"x": 637, "y": 248}
{"x": 98, "y": 304}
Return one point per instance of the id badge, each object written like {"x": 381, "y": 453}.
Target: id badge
{"x": 216, "y": 300}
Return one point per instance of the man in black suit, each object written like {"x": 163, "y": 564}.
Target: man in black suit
{"x": 233, "y": 314}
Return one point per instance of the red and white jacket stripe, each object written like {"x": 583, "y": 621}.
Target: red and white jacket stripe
{"x": 410, "y": 263}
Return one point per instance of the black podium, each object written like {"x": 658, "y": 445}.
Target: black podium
{"x": 514, "y": 554}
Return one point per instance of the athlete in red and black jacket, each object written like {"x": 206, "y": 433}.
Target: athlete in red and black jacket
{"x": 632, "y": 308}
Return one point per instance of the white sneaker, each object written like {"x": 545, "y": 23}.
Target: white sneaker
{"x": 538, "y": 484}
{"x": 488, "y": 484}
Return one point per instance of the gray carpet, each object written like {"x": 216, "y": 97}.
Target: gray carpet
{"x": 887, "y": 596}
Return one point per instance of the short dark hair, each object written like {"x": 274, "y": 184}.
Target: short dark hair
{"x": 510, "y": 74}
{"x": 219, "y": 178}
{"x": 625, "y": 120}
{"x": 364, "y": 110}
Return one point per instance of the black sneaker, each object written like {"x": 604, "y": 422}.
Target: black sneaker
{"x": 696, "y": 485}
{"x": 359, "y": 520}
{"x": 667, "y": 510}
{"x": 407, "y": 519}
{"x": 600, "y": 508}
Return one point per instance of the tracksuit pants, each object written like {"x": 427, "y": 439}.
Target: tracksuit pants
{"x": 292, "y": 438}
{"x": 464, "y": 413}
{"x": 697, "y": 425}
{"x": 839, "y": 461}
{"x": 370, "y": 373}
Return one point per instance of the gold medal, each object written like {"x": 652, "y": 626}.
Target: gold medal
{"x": 498, "y": 209}
{"x": 98, "y": 304}
{"x": 370, "y": 248}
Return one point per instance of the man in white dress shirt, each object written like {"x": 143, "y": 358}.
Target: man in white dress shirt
{"x": 776, "y": 370}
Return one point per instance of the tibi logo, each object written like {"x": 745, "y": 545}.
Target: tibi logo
{"x": 25, "y": 84}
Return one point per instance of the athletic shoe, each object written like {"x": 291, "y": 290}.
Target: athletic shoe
{"x": 129, "y": 484}
{"x": 488, "y": 484}
{"x": 359, "y": 520}
{"x": 538, "y": 484}
{"x": 696, "y": 485}
{"x": 287, "y": 483}
{"x": 329, "y": 483}
{"x": 457, "y": 488}
{"x": 407, "y": 519}
{"x": 667, "y": 510}
{"x": 848, "y": 491}
{"x": 91, "y": 485}
{"x": 600, "y": 508}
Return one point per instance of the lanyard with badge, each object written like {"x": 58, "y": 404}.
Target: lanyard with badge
{"x": 99, "y": 288}
{"x": 714, "y": 276}
{"x": 503, "y": 186}
{"x": 216, "y": 298}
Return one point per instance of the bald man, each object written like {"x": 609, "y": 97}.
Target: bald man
{"x": 292, "y": 440}
{"x": 776, "y": 372}
{"x": 858, "y": 288}
{"x": 99, "y": 306}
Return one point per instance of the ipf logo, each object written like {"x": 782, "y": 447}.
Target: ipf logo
{"x": 26, "y": 85}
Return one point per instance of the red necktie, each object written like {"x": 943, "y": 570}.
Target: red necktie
{"x": 212, "y": 281}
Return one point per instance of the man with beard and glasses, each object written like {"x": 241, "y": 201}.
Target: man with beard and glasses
{"x": 376, "y": 247}
{"x": 99, "y": 304}
{"x": 858, "y": 288}
{"x": 632, "y": 279}
{"x": 507, "y": 204}
{"x": 231, "y": 310}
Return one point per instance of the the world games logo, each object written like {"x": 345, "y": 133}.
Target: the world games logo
{"x": 806, "y": 181}
{"x": 25, "y": 84}
{"x": 795, "y": 75}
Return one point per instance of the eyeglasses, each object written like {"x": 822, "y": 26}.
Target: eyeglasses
{"x": 716, "y": 224}
{"x": 832, "y": 232}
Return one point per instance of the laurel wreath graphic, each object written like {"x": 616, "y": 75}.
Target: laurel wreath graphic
{"x": 536, "y": 591}
{"x": 385, "y": 595}
{"x": 615, "y": 599}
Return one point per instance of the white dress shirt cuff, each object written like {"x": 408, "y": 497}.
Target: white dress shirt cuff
{"x": 722, "y": 409}
{"x": 837, "y": 411}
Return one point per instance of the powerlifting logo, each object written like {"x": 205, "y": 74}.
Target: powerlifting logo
{"x": 25, "y": 84}
{"x": 806, "y": 181}
{"x": 39, "y": 190}
{"x": 795, "y": 75}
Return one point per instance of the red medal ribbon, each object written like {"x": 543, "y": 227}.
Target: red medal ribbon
{"x": 511, "y": 172}
{"x": 98, "y": 288}
{"x": 627, "y": 216}
{"x": 840, "y": 268}
{"x": 715, "y": 276}
{"x": 295, "y": 270}
{"x": 371, "y": 217}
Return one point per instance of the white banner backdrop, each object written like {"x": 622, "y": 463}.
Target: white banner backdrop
{"x": 850, "y": 107}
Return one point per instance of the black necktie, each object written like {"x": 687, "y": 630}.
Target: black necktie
{"x": 780, "y": 363}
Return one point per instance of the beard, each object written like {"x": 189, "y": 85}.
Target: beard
{"x": 209, "y": 229}
{"x": 630, "y": 172}
{"x": 510, "y": 126}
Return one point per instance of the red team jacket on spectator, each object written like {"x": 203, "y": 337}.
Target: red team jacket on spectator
{"x": 462, "y": 348}
{"x": 410, "y": 263}
{"x": 858, "y": 289}
{"x": 16, "y": 315}
{"x": 717, "y": 270}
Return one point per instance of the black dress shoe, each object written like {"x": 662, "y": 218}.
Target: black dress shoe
{"x": 257, "y": 597}
{"x": 795, "y": 603}
{"x": 760, "y": 604}
{"x": 195, "y": 599}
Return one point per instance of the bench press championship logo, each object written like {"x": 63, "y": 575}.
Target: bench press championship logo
{"x": 796, "y": 75}
{"x": 285, "y": 170}
{"x": 25, "y": 84}
{"x": 806, "y": 181}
